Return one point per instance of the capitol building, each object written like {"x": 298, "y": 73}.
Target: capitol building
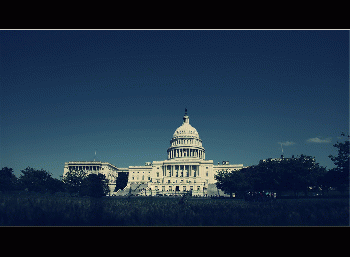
{"x": 184, "y": 171}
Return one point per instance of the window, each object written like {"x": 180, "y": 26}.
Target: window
{"x": 163, "y": 188}
{"x": 157, "y": 174}
{"x": 184, "y": 188}
{"x": 198, "y": 188}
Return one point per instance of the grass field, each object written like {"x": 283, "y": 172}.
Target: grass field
{"x": 36, "y": 210}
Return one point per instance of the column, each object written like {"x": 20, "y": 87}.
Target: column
{"x": 190, "y": 171}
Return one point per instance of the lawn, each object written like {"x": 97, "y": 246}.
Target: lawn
{"x": 47, "y": 210}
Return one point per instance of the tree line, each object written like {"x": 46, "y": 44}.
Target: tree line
{"x": 76, "y": 183}
{"x": 300, "y": 174}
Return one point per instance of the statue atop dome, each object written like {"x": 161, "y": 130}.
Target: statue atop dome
{"x": 186, "y": 118}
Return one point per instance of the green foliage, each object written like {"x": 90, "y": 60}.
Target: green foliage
{"x": 95, "y": 185}
{"x": 73, "y": 181}
{"x": 301, "y": 173}
{"x": 8, "y": 181}
{"x": 39, "y": 181}
{"x": 122, "y": 181}
{"x": 295, "y": 174}
{"x": 339, "y": 176}
{"x": 77, "y": 182}
{"x": 230, "y": 181}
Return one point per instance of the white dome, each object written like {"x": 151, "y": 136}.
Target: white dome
{"x": 186, "y": 130}
{"x": 186, "y": 142}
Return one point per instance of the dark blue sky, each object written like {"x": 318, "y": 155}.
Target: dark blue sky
{"x": 65, "y": 94}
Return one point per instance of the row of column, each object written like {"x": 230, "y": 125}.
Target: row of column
{"x": 186, "y": 141}
{"x": 187, "y": 171}
{"x": 186, "y": 153}
{"x": 82, "y": 167}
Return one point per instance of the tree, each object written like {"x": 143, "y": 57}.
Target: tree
{"x": 296, "y": 174}
{"x": 73, "y": 181}
{"x": 95, "y": 185}
{"x": 266, "y": 175}
{"x": 8, "y": 181}
{"x": 340, "y": 174}
{"x": 39, "y": 181}
{"x": 230, "y": 181}
{"x": 122, "y": 181}
{"x": 325, "y": 180}
{"x": 300, "y": 173}
{"x": 78, "y": 182}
